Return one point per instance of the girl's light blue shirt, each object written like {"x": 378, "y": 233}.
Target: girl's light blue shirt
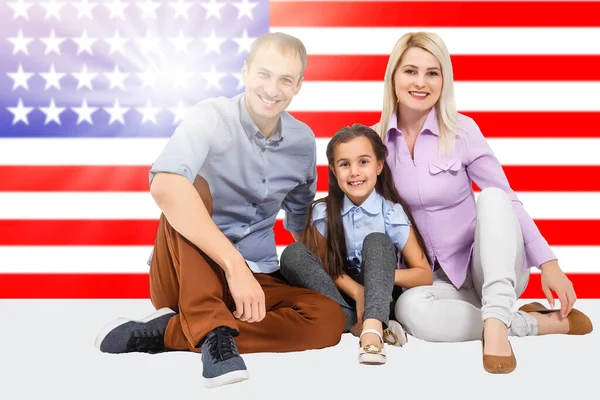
{"x": 375, "y": 214}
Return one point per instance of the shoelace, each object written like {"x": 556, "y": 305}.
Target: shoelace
{"x": 221, "y": 345}
{"x": 148, "y": 341}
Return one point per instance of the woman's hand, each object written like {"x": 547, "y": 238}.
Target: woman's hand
{"x": 554, "y": 279}
{"x": 359, "y": 298}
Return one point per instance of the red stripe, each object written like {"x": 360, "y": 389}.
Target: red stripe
{"x": 522, "y": 178}
{"x": 465, "y": 68}
{"x": 78, "y": 232}
{"x": 435, "y": 14}
{"x": 89, "y": 178}
{"x": 135, "y": 286}
{"x": 568, "y": 178}
{"x": 556, "y": 232}
{"x": 513, "y": 124}
{"x": 143, "y": 232}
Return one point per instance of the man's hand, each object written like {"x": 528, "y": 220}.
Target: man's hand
{"x": 247, "y": 293}
{"x": 554, "y": 279}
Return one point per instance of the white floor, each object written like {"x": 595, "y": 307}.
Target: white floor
{"x": 47, "y": 352}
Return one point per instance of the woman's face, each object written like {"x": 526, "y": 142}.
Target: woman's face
{"x": 418, "y": 80}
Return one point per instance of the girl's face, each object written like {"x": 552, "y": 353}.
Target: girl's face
{"x": 356, "y": 168}
{"x": 418, "y": 80}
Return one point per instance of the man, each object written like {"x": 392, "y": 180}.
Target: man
{"x": 221, "y": 180}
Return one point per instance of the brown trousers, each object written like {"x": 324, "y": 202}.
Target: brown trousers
{"x": 184, "y": 279}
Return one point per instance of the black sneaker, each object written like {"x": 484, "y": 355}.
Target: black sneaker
{"x": 222, "y": 363}
{"x": 125, "y": 336}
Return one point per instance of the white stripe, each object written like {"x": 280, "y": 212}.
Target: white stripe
{"x": 132, "y": 259}
{"x": 472, "y": 96}
{"x": 513, "y": 151}
{"x": 331, "y": 41}
{"x": 77, "y": 151}
{"x": 124, "y": 205}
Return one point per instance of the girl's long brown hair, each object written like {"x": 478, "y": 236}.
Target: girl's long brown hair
{"x": 333, "y": 256}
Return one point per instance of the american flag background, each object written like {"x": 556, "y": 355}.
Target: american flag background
{"x": 90, "y": 91}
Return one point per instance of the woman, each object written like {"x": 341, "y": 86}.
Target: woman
{"x": 481, "y": 250}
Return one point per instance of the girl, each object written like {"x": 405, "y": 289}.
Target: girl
{"x": 348, "y": 250}
{"x": 481, "y": 248}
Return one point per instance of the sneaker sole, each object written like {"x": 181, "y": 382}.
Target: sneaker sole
{"x": 120, "y": 321}
{"x": 226, "y": 379}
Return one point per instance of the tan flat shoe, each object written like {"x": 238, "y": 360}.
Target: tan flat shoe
{"x": 579, "y": 323}
{"x": 498, "y": 364}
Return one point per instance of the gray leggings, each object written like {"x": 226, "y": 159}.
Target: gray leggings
{"x": 300, "y": 267}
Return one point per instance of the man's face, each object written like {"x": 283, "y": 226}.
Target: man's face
{"x": 272, "y": 79}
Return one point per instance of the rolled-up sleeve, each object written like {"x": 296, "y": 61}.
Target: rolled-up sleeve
{"x": 486, "y": 171}
{"x": 187, "y": 149}
{"x": 297, "y": 202}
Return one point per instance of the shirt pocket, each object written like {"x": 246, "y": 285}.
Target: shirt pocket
{"x": 451, "y": 165}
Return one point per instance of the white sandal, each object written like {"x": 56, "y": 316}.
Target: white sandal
{"x": 395, "y": 335}
{"x": 371, "y": 354}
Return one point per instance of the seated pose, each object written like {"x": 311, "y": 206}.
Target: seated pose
{"x": 229, "y": 168}
{"x": 481, "y": 248}
{"x": 349, "y": 248}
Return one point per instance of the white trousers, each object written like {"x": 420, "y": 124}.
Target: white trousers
{"x": 496, "y": 278}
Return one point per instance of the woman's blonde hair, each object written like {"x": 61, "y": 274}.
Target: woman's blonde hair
{"x": 446, "y": 105}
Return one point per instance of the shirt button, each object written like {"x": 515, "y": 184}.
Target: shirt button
{"x": 356, "y": 260}
{"x": 264, "y": 181}
{"x": 254, "y": 205}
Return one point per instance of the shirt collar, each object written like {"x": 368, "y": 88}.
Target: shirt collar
{"x": 372, "y": 205}
{"x": 431, "y": 123}
{"x": 250, "y": 126}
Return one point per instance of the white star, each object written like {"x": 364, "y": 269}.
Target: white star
{"x": 178, "y": 112}
{"x": 52, "y": 112}
{"x": 20, "y": 43}
{"x": 84, "y": 78}
{"x": 148, "y": 112}
{"x": 148, "y": 8}
{"x": 84, "y": 8}
{"x": 20, "y": 77}
{"x": 244, "y": 42}
{"x": 213, "y": 43}
{"x": 238, "y": 76}
{"x": 116, "y": 112}
{"x": 149, "y": 43}
{"x": 117, "y": 78}
{"x": 181, "y": 42}
{"x": 245, "y": 9}
{"x": 84, "y": 113}
{"x": 212, "y": 78}
{"x": 148, "y": 79}
{"x": 20, "y": 8}
{"x": 117, "y": 43}
{"x": 52, "y": 78}
{"x": 181, "y": 8}
{"x": 52, "y": 43}
{"x": 84, "y": 43}
{"x": 117, "y": 9}
{"x": 53, "y": 8}
{"x": 213, "y": 8}
{"x": 20, "y": 112}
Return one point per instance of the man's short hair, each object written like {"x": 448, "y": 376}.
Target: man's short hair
{"x": 285, "y": 43}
